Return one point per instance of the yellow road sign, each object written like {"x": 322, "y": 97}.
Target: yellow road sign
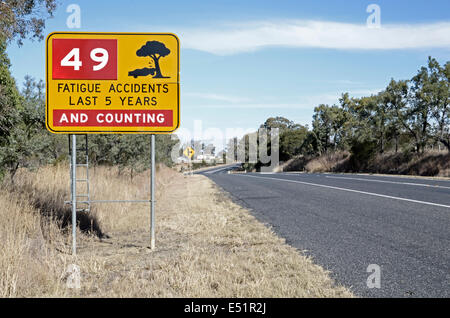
{"x": 189, "y": 152}
{"x": 112, "y": 83}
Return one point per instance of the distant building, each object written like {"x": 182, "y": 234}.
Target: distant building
{"x": 206, "y": 157}
{"x": 182, "y": 160}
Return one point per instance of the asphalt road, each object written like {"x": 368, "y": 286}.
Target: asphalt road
{"x": 347, "y": 222}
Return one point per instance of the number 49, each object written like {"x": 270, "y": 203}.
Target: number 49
{"x": 97, "y": 55}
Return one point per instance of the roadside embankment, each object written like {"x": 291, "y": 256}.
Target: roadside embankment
{"x": 207, "y": 246}
{"x": 434, "y": 164}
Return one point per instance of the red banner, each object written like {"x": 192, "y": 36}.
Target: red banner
{"x": 112, "y": 118}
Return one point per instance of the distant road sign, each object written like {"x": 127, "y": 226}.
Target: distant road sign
{"x": 112, "y": 83}
{"x": 189, "y": 152}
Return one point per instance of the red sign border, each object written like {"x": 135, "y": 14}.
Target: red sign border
{"x": 82, "y": 132}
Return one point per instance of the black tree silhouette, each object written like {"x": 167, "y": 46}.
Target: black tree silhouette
{"x": 155, "y": 50}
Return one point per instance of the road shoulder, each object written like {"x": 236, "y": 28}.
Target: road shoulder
{"x": 207, "y": 246}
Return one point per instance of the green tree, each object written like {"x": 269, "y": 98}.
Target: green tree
{"x": 397, "y": 97}
{"x": 329, "y": 125}
{"x": 10, "y": 101}
{"x": 436, "y": 92}
{"x": 362, "y": 113}
{"x": 163, "y": 148}
{"x": 10, "y": 105}
{"x": 24, "y": 144}
{"x": 279, "y": 122}
{"x": 292, "y": 142}
{"x": 19, "y": 118}
{"x": 130, "y": 151}
{"x": 421, "y": 99}
{"x": 381, "y": 119}
{"x": 322, "y": 126}
{"x": 23, "y": 18}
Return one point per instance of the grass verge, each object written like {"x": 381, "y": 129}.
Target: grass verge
{"x": 207, "y": 246}
{"x": 431, "y": 163}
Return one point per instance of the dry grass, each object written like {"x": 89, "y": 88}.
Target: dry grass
{"x": 30, "y": 265}
{"x": 431, "y": 163}
{"x": 327, "y": 162}
{"x": 207, "y": 246}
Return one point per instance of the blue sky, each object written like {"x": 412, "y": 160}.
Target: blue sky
{"x": 244, "y": 61}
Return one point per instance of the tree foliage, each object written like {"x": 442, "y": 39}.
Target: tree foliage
{"x": 409, "y": 115}
{"x": 418, "y": 108}
{"x": 24, "y": 140}
{"x": 27, "y": 143}
{"x": 9, "y": 96}
{"x": 24, "y": 18}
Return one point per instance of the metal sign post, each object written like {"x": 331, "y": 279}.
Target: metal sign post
{"x": 74, "y": 194}
{"x": 152, "y": 194}
{"x": 92, "y": 89}
{"x": 73, "y": 186}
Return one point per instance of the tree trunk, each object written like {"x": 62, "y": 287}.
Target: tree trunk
{"x": 396, "y": 143}
{"x": 445, "y": 142}
{"x": 158, "y": 69}
{"x": 13, "y": 171}
{"x": 381, "y": 143}
{"x": 424, "y": 135}
{"x": 417, "y": 144}
{"x": 441, "y": 137}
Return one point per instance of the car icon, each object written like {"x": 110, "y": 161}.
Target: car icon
{"x": 142, "y": 72}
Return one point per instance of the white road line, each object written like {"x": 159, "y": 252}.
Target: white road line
{"x": 351, "y": 190}
{"x": 217, "y": 170}
{"x": 395, "y": 182}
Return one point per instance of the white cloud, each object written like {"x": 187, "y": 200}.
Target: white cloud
{"x": 273, "y": 106}
{"x": 301, "y": 102}
{"x": 364, "y": 92}
{"x": 218, "y": 97}
{"x": 237, "y": 38}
